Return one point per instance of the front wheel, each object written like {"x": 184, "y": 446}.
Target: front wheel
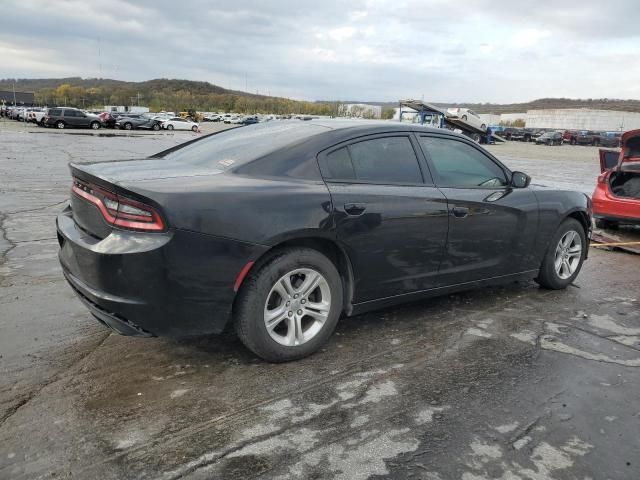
{"x": 95, "y": 125}
{"x": 194, "y": 129}
{"x": 169, "y": 127}
{"x": 156, "y": 127}
{"x": 128, "y": 126}
{"x": 289, "y": 307}
{"x": 564, "y": 257}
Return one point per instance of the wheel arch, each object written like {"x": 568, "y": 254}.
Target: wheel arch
{"x": 326, "y": 246}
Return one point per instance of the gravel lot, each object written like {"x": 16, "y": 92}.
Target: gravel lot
{"x": 511, "y": 383}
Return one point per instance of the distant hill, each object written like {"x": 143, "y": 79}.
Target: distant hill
{"x": 542, "y": 103}
{"x": 159, "y": 94}
{"x": 176, "y": 94}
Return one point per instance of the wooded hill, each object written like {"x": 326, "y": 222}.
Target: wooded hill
{"x": 159, "y": 94}
{"x": 180, "y": 95}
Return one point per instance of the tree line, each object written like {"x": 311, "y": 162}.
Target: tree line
{"x": 162, "y": 94}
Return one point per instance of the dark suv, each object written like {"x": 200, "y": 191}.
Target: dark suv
{"x": 64, "y": 117}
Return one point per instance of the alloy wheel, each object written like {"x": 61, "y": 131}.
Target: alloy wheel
{"x": 568, "y": 254}
{"x": 297, "y": 307}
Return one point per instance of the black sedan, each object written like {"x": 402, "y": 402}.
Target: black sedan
{"x": 278, "y": 229}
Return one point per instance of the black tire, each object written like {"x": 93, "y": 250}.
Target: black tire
{"x": 169, "y": 127}
{"x": 156, "y": 127}
{"x": 194, "y": 129}
{"x": 248, "y": 312}
{"x": 547, "y": 276}
{"x": 95, "y": 125}
{"x": 606, "y": 224}
{"x": 60, "y": 124}
{"x": 464, "y": 117}
{"x": 128, "y": 126}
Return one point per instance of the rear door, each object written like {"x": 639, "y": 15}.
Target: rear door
{"x": 389, "y": 216}
{"x": 492, "y": 227}
{"x": 608, "y": 159}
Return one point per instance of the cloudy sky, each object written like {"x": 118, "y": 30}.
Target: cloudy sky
{"x": 444, "y": 50}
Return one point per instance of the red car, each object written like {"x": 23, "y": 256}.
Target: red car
{"x": 616, "y": 198}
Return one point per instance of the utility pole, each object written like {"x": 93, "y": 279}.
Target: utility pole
{"x": 14, "y": 94}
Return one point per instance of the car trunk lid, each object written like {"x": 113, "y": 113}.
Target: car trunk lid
{"x": 103, "y": 196}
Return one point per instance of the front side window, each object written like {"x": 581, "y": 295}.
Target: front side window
{"x": 458, "y": 164}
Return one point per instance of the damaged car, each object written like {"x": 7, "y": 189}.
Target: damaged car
{"x": 616, "y": 198}
{"x": 279, "y": 229}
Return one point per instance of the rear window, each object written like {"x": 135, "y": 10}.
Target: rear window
{"x": 240, "y": 145}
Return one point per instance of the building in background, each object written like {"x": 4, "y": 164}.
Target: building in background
{"x": 126, "y": 109}
{"x": 24, "y": 99}
{"x": 583, "y": 119}
{"x": 360, "y": 110}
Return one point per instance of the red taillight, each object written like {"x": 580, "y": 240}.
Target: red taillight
{"x": 119, "y": 211}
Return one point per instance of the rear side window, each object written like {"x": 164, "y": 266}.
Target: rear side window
{"x": 56, "y": 112}
{"x": 458, "y": 164}
{"x": 70, "y": 113}
{"x": 339, "y": 164}
{"x": 385, "y": 160}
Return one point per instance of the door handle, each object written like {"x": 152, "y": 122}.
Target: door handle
{"x": 355, "y": 208}
{"x": 460, "y": 212}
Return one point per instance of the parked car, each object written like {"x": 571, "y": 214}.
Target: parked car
{"x": 131, "y": 122}
{"x": 36, "y": 115}
{"x": 65, "y": 117}
{"x": 549, "y": 138}
{"x": 582, "y": 137}
{"x": 280, "y": 228}
{"x": 616, "y": 198}
{"x": 521, "y": 134}
{"x": 507, "y": 132}
{"x": 250, "y": 120}
{"x": 179, "y": 123}
{"x": 467, "y": 116}
{"x": 610, "y": 139}
{"x": 108, "y": 119}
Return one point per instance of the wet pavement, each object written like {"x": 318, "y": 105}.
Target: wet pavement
{"x": 510, "y": 383}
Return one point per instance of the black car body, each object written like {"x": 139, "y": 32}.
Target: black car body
{"x": 521, "y": 135}
{"x": 132, "y": 122}
{"x": 65, "y": 117}
{"x": 202, "y": 216}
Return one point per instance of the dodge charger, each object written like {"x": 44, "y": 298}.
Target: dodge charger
{"x": 277, "y": 230}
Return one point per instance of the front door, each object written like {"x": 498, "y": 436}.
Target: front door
{"x": 389, "y": 217}
{"x": 492, "y": 227}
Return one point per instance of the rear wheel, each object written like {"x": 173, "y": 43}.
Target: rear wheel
{"x": 60, "y": 124}
{"x": 464, "y": 117}
{"x": 606, "y": 224}
{"x": 290, "y": 306}
{"x": 128, "y": 126}
{"x": 169, "y": 127}
{"x": 194, "y": 129}
{"x": 564, "y": 257}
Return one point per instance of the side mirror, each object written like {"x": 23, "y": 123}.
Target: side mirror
{"x": 520, "y": 180}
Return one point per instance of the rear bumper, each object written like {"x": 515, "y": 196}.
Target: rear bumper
{"x": 175, "y": 283}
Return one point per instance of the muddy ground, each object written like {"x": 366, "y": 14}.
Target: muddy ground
{"x": 511, "y": 383}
